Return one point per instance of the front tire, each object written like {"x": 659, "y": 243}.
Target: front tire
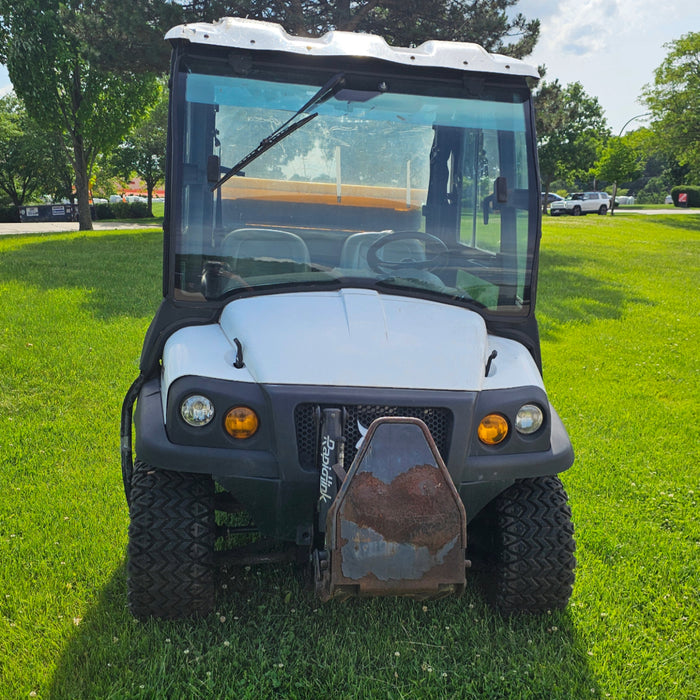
{"x": 525, "y": 537}
{"x": 603, "y": 210}
{"x": 576, "y": 211}
{"x": 170, "y": 567}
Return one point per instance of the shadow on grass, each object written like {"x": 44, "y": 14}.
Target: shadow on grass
{"x": 270, "y": 637}
{"x": 687, "y": 222}
{"x": 568, "y": 294}
{"x": 121, "y": 272}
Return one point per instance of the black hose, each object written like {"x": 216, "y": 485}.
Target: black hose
{"x": 125, "y": 433}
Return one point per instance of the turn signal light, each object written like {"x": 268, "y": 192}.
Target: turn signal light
{"x": 241, "y": 422}
{"x": 493, "y": 429}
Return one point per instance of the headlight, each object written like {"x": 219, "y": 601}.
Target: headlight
{"x": 197, "y": 410}
{"x": 529, "y": 419}
{"x": 241, "y": 422}
{"x": 493, "y": 429}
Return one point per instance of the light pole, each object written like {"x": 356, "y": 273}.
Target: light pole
{"x": 629, "y": 121}
{"x": 624, "y": 126}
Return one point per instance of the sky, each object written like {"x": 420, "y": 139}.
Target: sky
{"x": 610, "y": 46}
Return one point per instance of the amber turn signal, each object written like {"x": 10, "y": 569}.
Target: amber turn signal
{"x": 493, "y": 429}
{"x": 241, "y": 422}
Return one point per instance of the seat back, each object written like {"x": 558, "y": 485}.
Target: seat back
{"x": 264, "y": 245}
{"x": 354, "y": 252}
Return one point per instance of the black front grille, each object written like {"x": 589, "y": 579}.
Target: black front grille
{"x": 438, "y": 420}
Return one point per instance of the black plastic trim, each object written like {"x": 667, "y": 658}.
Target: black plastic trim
{"x": 153, "y": 446}
{"x": 507, "y": 402}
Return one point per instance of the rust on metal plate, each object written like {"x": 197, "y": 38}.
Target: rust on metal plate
{"x": 397, "y": 526}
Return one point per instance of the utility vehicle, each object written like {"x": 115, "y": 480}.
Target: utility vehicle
{"x": 346, "y": 350}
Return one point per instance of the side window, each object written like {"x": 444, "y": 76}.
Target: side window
{"x": 480, "y": 170}
{"x": 497, "y": 231}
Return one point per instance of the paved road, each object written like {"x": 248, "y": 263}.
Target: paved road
{"x": 58, "y": 226}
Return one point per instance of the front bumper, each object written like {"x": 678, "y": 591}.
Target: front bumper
{"x": 273, "y": 477}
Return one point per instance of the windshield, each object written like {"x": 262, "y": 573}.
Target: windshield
{"x": 403, "y": 191}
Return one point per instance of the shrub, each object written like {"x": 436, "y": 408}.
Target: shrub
{"x": 129, "y": 210}
{"x": 654, "y": 191}
{"x": 138, "y": 210}
{"x": 692, "y": 191}
{"x": 103, "y": 211}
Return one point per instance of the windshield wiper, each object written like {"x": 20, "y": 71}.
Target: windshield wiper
{"x": 290, "y": 126}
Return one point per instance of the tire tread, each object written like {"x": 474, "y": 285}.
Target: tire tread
{"x": 170, "y": 564}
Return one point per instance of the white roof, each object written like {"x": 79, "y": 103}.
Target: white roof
{"x": 266, "y": 36}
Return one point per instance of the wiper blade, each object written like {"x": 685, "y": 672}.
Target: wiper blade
{"x": 266, "y": 144}
{"x": 323, "y": 94}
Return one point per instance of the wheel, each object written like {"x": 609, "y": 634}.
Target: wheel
{"x": 170, "y": 566}
{"x": 524, "y": 542}
{"x": 603, "y": 210}
{"x": 576, "y": 211}
{"x": 437, "y": 259}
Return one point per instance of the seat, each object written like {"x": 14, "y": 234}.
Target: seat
{"x": 264, "y": 246}
{"x": 353, "y": 256}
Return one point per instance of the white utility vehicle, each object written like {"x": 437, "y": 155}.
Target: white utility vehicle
{"x": 347, "y": 350}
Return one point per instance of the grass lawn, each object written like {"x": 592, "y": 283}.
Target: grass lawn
{"x": 618, "y": 311}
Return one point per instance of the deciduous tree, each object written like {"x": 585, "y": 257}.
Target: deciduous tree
{"x": 143, "y": 151}
{"x": 674, "y": 101}
{"x": 490, "y": 23}
{"x": 619, "y": 162}
{"x": 26, "y": 153}
{"x": 70, "y": 82}
{"x": 570, "y": 127}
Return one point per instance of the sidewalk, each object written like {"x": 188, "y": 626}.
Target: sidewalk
{"x": 59, "y": 226}
{"x": 656, "y": 212}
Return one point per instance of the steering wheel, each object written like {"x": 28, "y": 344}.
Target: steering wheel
{"x": 437, "y": 260}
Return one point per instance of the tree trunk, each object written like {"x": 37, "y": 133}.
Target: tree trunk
{"x": 545, "y": 189}
{"x": 612, "y": 204}
{"x": 149, "y": 194}
{"x": 82, "y": 184}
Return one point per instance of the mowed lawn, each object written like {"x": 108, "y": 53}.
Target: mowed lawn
{"x": 618, "y": 311}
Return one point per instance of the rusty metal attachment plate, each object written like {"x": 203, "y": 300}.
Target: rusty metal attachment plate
{"x": 397, "y": 525}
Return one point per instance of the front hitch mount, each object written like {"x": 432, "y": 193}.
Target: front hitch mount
{"x": 397, "y": 525}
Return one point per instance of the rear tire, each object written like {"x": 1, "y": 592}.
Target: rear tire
{"x": 170, "y": 568}
{"x": 525, "y": 539}
{"x": 603, "y": 210}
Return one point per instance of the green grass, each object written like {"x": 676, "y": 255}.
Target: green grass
{"x": 619, "y": 320}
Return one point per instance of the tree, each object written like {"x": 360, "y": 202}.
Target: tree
{"x": 570, "y": 126}
{"x": 619, "y": 162}
{"x": 26, "y": 153}
{"x": 401, "y": 22}
{"x": 674, "y": 101}
{"x": 143, "y": 151}
{"x": 70, "y": 82}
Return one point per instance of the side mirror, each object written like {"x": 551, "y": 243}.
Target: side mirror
{"x": 213, "y": 169}
{"x": 500, "y": 189}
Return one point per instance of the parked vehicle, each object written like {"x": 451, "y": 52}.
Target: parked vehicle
{"x": 580, "y": 203}
{"x": 347, "y": 347}
{"x": 551, "y": 197}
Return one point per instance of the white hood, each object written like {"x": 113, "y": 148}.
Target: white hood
{"x": 349, "y": 338}
{"x": 357, "y": 337}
